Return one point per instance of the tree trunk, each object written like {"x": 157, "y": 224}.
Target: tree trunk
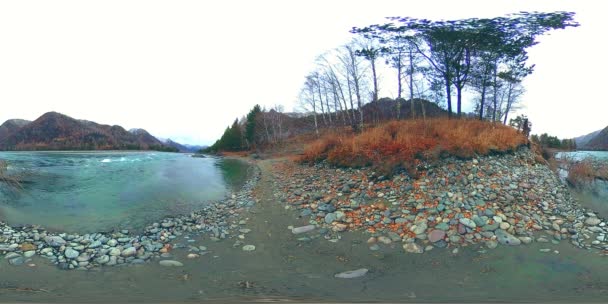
{"x": 352, "y": 106}
{"x": 399, "y": 81}
{"x": 399, "y": 86}
{"x": 357, "y": 89}
{"x": 459, "y": 101}
{"x": 448, "y": 92}
{"x": 398, "y": 105}
{"x": 413, "y": 108}
{"x": 337, "y": 101}
{"x": 375, "y": 97}
{"x": 483, "y": 99}
{"x": 321, "y": 100}
{"x": 508, "y": 102}
{"x": 423, "y": 110}
{"x": 495, "y": 98}
{"x": 328, "y": 108}
{"x": 314, "y": 112}
{"x": 266, "y": 127}
{"x": 341, "y": 91}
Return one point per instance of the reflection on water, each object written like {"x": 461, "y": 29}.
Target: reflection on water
{"x": 91, "y": 191}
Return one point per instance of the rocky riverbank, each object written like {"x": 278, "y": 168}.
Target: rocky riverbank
{"x": 507, "y": 200}
{"x": 221, "y": 220}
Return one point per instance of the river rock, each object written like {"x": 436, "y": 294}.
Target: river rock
{"x": 442, "y": 226}
{"x": 303, "y": 229}
{"x": 467, "y": 222}
{"x": 351, "y": 274}
{"x": 167, "y": 224}
{"x": 419, "y": 228}
{"x": 413, "y": 248}
{"x": 16, "y": 261}
{"x": 27, "y": 247}
{"x": 83, "y": 257}
{"x": 71, "y": 253}
{"x": 436, "y": 235}
{"x": 11, "y": 255}
{"x": 479, "y": 221}
{"x": 384, "y": 240}
{"x": 525, "y": 239}
{"x": 6, "y": 247}
{"x": 330, "y": 218}
{"x": 592, "y": 221}
{"x": 340, "y": 215}
{"x": 339, "y": 227}
{"x": 491, "y": 227}
{"x": 131, "y": 251}
{"x": 170, "y": 263}
{"x": 506, "y": 238}
{"x": 103, "y": 259}
{"x": 248, "y": 248}
{"x": 55, "y": 241}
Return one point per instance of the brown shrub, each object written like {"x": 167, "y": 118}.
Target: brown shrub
{"x": 580, "y": 173}
{"x": 586, "y": 171}
{"x": 401, "y": 144}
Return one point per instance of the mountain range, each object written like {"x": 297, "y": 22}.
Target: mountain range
{"x": 182, "y": 147}
{"x": 597, "y": 140}
{"x": 56, "y": 131}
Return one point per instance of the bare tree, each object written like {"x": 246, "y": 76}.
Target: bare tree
{"x": 514, "y": 90}
{"x": 355, "y": 71}
{"x": 276, "y": 121}
{"x": 308, "y": 99}
{"x": 336, "y": 81}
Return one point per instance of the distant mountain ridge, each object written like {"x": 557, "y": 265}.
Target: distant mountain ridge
{"x": 583, "y": 140}
{"x": 597, "y": 140}
{"x": 186, "y": 148}
{"x": 11, "y": 126}
{"x": 56, "y": 131}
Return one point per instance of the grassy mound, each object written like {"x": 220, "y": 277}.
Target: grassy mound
{"x": 404, "y": 144}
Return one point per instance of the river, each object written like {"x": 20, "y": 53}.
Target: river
{"x": 101, "y": 191}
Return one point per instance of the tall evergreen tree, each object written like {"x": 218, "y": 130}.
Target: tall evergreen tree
{"x": 250, "y": 125}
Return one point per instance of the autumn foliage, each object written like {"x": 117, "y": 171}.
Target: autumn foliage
{"x": 403, "y": 144}
{"x": 586, "y": 171}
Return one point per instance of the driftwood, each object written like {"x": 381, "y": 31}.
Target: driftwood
{"x": 24, "y": 289}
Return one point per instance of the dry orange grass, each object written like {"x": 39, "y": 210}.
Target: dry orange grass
{"x": 234, "y": 153}
{"x": 586, "y": 171}
{"x": 403, "y": 143}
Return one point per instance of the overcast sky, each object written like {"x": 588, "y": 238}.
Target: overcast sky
{"x": 187, "y": 69}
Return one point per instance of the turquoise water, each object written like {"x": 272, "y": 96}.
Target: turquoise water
{"x": 100, "y": 191}
{"x": 579, "y": 155}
